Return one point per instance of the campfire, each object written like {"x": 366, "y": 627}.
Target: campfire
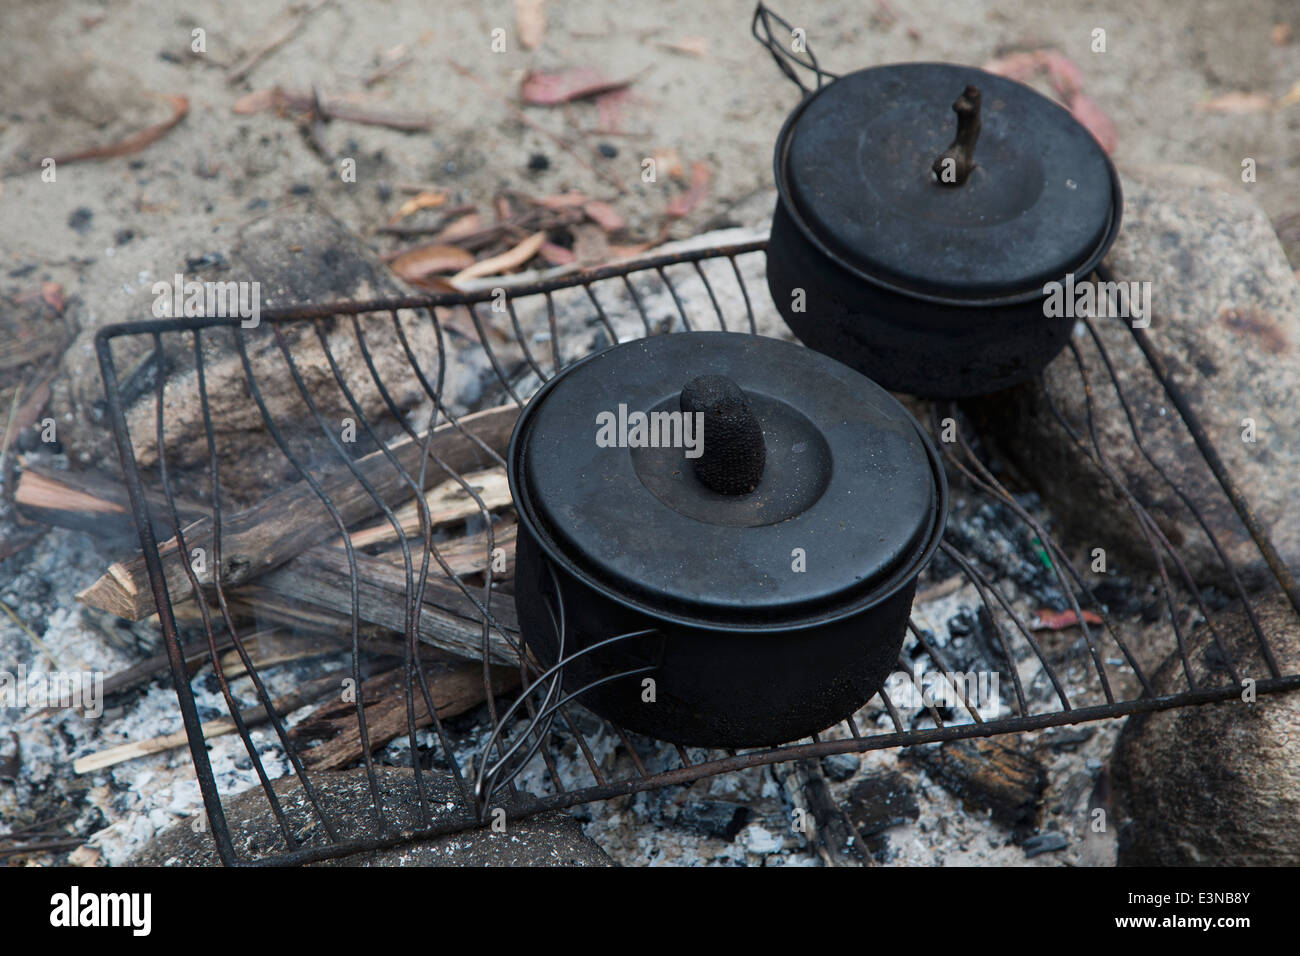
{"x": 389, "y": 556}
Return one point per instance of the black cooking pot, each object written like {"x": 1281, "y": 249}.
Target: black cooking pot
{"x": 921, "y": 258}
{"x": 770, "y": 577}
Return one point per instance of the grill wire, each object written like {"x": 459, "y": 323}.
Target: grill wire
{"x": 527, "y": 730}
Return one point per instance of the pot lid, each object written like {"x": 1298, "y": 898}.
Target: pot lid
{"x": 858, "y": 161}
{"x": 838, "y": 498}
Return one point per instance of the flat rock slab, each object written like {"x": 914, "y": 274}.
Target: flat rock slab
{"x": 1226, "y": 321}
{"x": 550, "y": 839}
{"x": 296, "y": 259}
{"x": 1217, "y": 784}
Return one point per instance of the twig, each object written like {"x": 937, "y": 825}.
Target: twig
{"x": 251, "y": 716}
{"x": 387, "y": 70}
{"x": 280, "y": 40}
{"x": 31, "y": 635}
{"x": 510, "y": 259}
{"x": 132, "y": 144}
{"x": 50, "y": 846}
{"x": 9, "y": 424}
{"x": 279, "y": 98}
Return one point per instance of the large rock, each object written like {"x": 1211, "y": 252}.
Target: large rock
{"x": 1217, "y": 784}
{"x": 298, "y": 259}
{"x": 1227, "y": 322}
{"x": 552, "y": 839}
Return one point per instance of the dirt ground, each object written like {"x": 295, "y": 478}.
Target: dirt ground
{"x": 83, "y": 74}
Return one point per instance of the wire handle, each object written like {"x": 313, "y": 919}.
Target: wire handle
{"x": 492, "y": 775}
{"x": 796, "y": 54}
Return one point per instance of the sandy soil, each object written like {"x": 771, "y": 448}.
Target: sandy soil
{"x": 82, "y": 74}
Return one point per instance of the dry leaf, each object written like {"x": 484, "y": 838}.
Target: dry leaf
{"x": 1095, "y": 121}
{"x": 52, "y": 294}
{"x": 135, "y": 142}
{"x": 669, "y": 162}
{"x": 570, "y": 200}
{"x": 1237, "y": 103}
{"x": 420, "y": 263}
{"x": 510, "y": 259}
{"x": 552, "y": 89}
{"x": 628, "y": 251}
{"x": 604, "y": 215}
{"x": 691, "y": 46}
{"x": 530, "y": 22}
{"x": 1046, "y": 620}
{"x": 609, "y": 109}
{"x": 417, "y": 202}
{"x": 682, "y": 205}
{"x": 1019, "y": 66}
{"x": 256, "y": 102}
{"x": 557, "y": 255}
{"x": 457, "y": 228}
{"x": 1063, "y": 73}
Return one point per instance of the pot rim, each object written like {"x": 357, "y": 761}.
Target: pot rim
{"x": 1089, "y": 264}
{"x": 900, "y": 576}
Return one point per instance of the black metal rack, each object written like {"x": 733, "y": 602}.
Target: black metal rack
{"x": 525, "y": 731}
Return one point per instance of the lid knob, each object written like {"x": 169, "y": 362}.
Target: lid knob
{"x": 957, "y": 162}
{"x": 733, "y": 456}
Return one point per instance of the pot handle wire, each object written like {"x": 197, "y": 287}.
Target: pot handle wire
{"x": 494, "y": 775}
{"x": 791, "y": 54}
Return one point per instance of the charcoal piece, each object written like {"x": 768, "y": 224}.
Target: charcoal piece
{"x": 714, "y": 818}
{"x": 881, "y": 801}
{"x": 987, "y": 777}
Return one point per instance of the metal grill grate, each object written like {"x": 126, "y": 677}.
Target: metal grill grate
{"x": 517, "y": 337}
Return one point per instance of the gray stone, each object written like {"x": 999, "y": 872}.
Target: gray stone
{"x": 298, "y": 259}
{"x": 1217, "y": 784}
{"x": 1227, "y": 322}
{"x": 551, "y": 839}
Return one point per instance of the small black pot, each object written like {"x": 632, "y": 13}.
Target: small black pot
{"x": 931, "y": 288}
{"x": 742, "y": 650}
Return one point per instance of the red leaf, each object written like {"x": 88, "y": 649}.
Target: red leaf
{"x": 1063, "y": 73}
{"x": 1087, "y": 112}
{"x": 1059, "y": 620}
{"x": 682, "y": 205}
{"x": 1017, "y": 66}
{"x": 604, "y": 215}
{"x": 556, "y": 255}
{"x": 552, "y": 89}
{"x": 52, "y": 294}
{"x": 425, "y": 261}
